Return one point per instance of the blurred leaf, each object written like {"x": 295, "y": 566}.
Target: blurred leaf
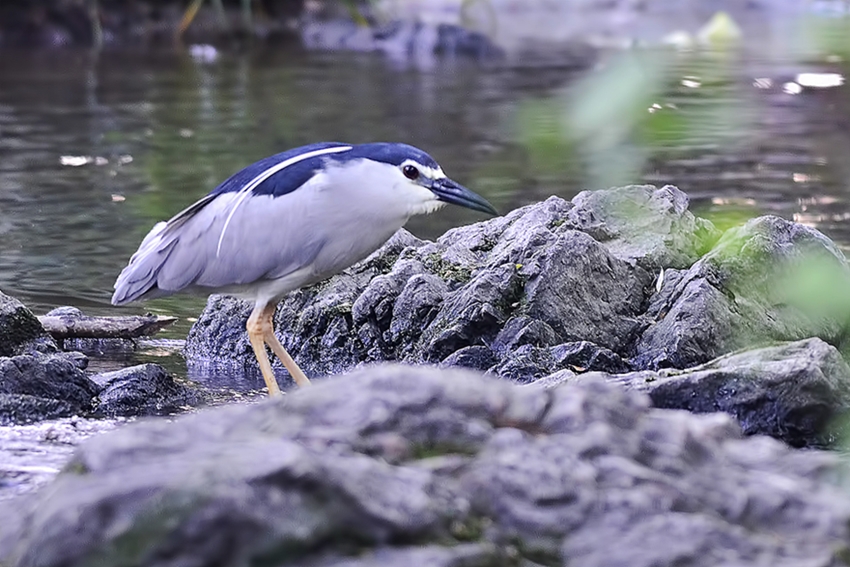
{"x": 542, "y": 133}
{"x": 606, "y": 110}
{"x": 479, "y": 15}
{"x": 609, "y": 103}
{"x": 720, "y": 30}
{"x": 354, "y": 12}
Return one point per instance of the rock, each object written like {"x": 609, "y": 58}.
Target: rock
{"x": 585, "y": 356}
{"x": 562, "y": 288}
{"x": 145, "y": 389}
{"x": 36, "y": 382}
{"x": 415, "y": 465}
{"x": 22, "y": 408}
{"x": 586, "y": 294}
{"x": 525, "y": 364}
{"x": 534, "y": 277}
{"x": 473, "y": 357}
{"x": 49, "y": 378}
{"x": 20, "y": 331}
{"x": 769, "y": 280}
{"x": 528, "y": 363}
{"x": 228, "y": 327}
{"x": 644, "y": 225}
{"x": 796, "y": 391}
{"x": 400, "y": 40}
{"x": 36, "y": 386}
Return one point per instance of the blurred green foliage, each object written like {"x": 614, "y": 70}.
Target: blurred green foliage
{"x": 821, "y": 35}
{"x": 640, "y": 105}
{"x": 692, "y": 100}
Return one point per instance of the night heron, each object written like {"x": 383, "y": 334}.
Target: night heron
{"x": 287, "y": 221}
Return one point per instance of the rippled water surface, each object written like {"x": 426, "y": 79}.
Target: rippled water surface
{"x": 94, "y": 151}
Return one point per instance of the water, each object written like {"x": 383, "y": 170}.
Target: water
{"x": 94, "y": 151}
{"x": 31, "y": 455}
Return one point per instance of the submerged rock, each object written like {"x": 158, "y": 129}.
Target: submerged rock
{"x": 397, "y": 465}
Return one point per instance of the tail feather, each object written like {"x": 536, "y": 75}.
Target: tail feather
{"x": 139, "y": 278}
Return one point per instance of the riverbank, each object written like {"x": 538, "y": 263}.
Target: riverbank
{"x": 535, "y": 26}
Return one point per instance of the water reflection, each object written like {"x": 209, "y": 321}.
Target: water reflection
{"x": 94, "y": 152}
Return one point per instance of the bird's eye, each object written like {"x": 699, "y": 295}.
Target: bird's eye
{"x": 410, "y": 172}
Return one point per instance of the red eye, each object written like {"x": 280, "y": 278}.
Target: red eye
{"x": 410, "y": 172}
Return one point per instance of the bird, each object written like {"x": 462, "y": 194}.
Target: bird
{"x": 285, "y": 222}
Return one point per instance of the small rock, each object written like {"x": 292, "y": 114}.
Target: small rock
{"x": 18, "y": 409}
{"x": 472, "y": 357}
{"x": 584, "y": 356}
{"x": 20, "y": 331}
{"x": 48, "y": 376}
{"x": 145, "y": 389}
{"x": 793, "y": 391}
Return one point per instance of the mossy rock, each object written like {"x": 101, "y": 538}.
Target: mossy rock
{"x": 20, "y": 330}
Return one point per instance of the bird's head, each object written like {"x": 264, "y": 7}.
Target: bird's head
{"x": 417, "y": 178}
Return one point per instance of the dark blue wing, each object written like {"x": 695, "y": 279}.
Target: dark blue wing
{"x": 283, "y": 182}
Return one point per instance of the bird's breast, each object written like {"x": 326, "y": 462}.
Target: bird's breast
{"x": 352, "y": 236}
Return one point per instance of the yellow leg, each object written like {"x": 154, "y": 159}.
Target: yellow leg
{"x": 189, "y": 16}
{"x": 256, "y": 332}
{"x": 270, "y": 338}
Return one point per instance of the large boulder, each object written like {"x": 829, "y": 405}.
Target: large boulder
{"x": 554, "y": 273}
{"x": 615, "y": 281}
{"x": 398, "y": 465}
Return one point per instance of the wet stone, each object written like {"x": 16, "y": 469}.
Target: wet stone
{"x": 395, "y": 464}
{"x": 146, "y": 389}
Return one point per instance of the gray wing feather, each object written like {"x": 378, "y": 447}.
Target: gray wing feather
{"x": 267, "y": 238}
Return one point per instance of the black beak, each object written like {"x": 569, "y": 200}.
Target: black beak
{"x": 447, "y": 190}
